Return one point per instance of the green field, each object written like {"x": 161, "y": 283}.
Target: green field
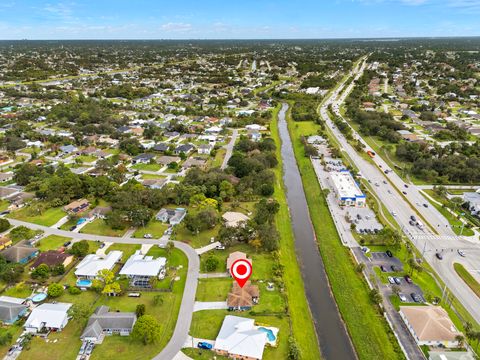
{"x": 213, "y": 289}
{"x": 195, "y": 240}
{"x": 51, "y": 242}
{"x": 147, "y": 167}
{"x": 47, "y": 218}
{"x": 100, "y": 227}
{"x": 350, "y": 290}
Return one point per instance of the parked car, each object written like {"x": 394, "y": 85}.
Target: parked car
{"x": 404, "y": 192}
{"x": 204, "y": 345}
{"x": 89, "y": 348}
{"x": 394, "y": 268}
{"x": 102, "y": 245}
{"x": 406, "y": 185}
{"x": 394, "y": 213}
{"x": 402, "y": 297}
{"x": 389, "y": 253}
{"x": 385, "y": 182}
{"x": 416, "y": 297}
{"x": 439, "y": 256}
{"x": 391, "y": 280}
{"x": 83, "y": 348}
{"x": 461, "y": 253}
{"x": 66, "y": 244}
{"x": 147, "y": 236}
{"x": 413, "y": 218}
{"x": 397, "y": 280}
{"x": 425, "y": 205}
{"x": 73, "y": 227}
{"x": 365, "y": 249}
{"x": 411, "y": 222}
{"x": 408, "y": 279}
{"x": 383, "y": 268}
{"x": 220, "y": 247}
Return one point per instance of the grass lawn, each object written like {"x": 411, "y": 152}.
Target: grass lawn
{"x": 468, "y": 278}
{"x": 51, "y": 242}
{"x": 199, "y": 354}
{"x": 300, "y": 317}
{"x": 213, "y": 289}
{"x": 195, "y": 240}
{"x": 4, "y": 205}
{"x": 346, "y": 284}
{"x": 206, "y": 324}
{"x": 48, "y": 218}
{"x": 20, "y": 290}
{"x": 218, "y": 159}
{"x": 154, "y": 227}
{"x": 100, "y": 227}
{"x": 86, "y": 158}
{"x": 152, "y": 176}
{"x": 147, "y": 167}
{"x": 15, "y": 330}
{"x": 128, "y": 249}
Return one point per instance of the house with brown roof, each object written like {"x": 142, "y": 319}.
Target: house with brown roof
{"x": 53, "y": 258}
{"x": 430, "y": 325}
{"x": 243, "y": 298}
{"x": 77, "y": 206}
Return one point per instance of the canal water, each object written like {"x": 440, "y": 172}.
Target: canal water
{"x": 331, "y": 333}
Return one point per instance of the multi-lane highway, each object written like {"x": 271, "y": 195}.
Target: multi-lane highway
{"x": 405, "y": 200}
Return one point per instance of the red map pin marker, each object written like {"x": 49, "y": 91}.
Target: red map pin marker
{"x": 241, "y": 271}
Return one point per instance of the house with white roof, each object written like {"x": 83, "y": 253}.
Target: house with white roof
{"x": 141, "y": 269}
{"x": 239, "y": 338}
{"x": 48, "y": 317}
{"x": 91, "y": 264}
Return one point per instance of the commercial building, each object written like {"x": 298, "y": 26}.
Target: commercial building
{"x": 430, "y": 325}
{"x": 346, "y": 189}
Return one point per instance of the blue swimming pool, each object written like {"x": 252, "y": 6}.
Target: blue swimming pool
{"x": 81, "y": 221}
{"x": 39, "y": 297}
{"x": 270, "y": 335}
{"x": 84, "y": 283}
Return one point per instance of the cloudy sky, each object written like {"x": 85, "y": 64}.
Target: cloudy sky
{"x": 236, "y": 19}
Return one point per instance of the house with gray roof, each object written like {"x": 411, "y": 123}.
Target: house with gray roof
{"x": 171, "y": 216}
{"x": 68, "y": 149}
{"x": 104, "y": 322}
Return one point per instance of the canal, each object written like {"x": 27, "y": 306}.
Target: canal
{"x": 331, "y": 333}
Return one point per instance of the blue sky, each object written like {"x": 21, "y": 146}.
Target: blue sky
{"x": 225, "y": 19}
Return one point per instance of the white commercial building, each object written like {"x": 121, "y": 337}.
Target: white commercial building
{"x": 346, "y": 189}
{"x": 92, "y": 264}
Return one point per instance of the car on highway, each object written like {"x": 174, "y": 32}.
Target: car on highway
{"x": 416, "y": 297}
{"x": 439, "y": 256}
{"x": 204, "y": 345}
{"x": 402, "y": 297}
{"x": 405, "y": 185}
{"x": 461, "y": 253}
{"x": 404, "y": 192}
{"x": 425, "y": 205}
{"x": 389, "y": 253}
{"x": 408, "y": 279}
{"x": 391, "y": 280}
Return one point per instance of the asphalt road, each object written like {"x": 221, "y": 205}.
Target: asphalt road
{"x": 229, "y": 148}
{"x": 184, "y": 319}
{"x": 425, "y": 240}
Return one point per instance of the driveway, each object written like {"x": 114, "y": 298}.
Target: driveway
{"x": 210, "y": 305}
{"x": 192, "y": 342}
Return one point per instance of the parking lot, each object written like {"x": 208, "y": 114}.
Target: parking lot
{"x": 378, "y": 259}
{"x": 364, "y": 220}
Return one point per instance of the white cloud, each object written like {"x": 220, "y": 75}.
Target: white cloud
{"x": 176, "y": 27}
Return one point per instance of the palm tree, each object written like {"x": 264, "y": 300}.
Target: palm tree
{"x": 460, "y": 339}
